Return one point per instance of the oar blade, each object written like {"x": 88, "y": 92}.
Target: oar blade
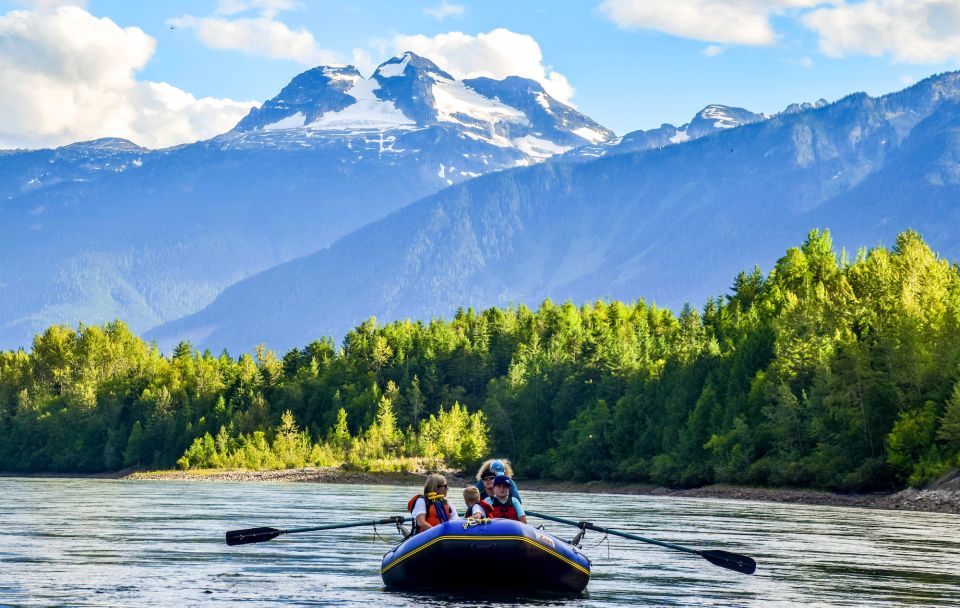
{"x": 730, "y": 561}
{"x": 252, "y": 535}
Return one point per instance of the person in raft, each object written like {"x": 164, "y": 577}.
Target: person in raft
{"x": 504, "y": 505}
{"x": 488, "y": 472}
{"x": 475, "y": 507}
{"x": 431, "y": 508}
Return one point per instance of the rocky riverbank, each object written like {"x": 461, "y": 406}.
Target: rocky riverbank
{"x": 941, "y": 497}
{"x": 311, "y": 475}
{"x": 931, "y": 500}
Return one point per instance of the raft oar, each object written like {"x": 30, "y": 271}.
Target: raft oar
{"x": 260, "y": 535}
{"x": 724, "y": 559}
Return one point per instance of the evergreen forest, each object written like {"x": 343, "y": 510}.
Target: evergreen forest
{"x": 827, "y": 372}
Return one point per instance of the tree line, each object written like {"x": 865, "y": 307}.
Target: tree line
{"x": 826, "y": 372}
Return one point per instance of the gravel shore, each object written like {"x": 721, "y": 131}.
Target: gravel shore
{"x": 943, "y": 497}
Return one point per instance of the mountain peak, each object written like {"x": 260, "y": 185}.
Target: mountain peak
{"x": 726, "y": 117}
{"x": 408, "y": 60}
{"x": 308, "y": 96}
{"x": 795, "y": 108}
{"x": 106, "y": 144}
{"x": 717, "y": 117}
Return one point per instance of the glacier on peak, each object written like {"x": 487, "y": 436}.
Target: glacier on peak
{"x": 409, "y": 92}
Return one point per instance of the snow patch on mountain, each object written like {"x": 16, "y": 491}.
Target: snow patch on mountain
{"x": 368, "y": 113}
{"x": 489, "y": 138}
{"x": 392, "y": 70}
{"x": 722, "y": 117}
{"x": 590, "y": 134}
{"x": 455, "y": 102}
{"x": 290, "y": 122}
{"x": 538, "y": 148}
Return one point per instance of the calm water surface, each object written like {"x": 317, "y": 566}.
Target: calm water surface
{"x": 160, "y": 543}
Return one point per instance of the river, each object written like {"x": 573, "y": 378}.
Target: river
{"x": 92, "y": 542}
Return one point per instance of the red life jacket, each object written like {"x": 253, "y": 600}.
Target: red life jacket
{"x": 431, "y": 516}
{"x": 487, "y": 509}
{"x": 503, "y": 510}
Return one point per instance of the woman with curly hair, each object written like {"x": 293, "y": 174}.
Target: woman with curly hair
{"x": 488, "y": 472}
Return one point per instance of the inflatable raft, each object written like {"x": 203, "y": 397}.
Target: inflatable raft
{"x": 490, "y": 554}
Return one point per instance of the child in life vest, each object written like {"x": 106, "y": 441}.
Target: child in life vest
{"x": 475, "y": 509}
{"x": 502, "y": 504}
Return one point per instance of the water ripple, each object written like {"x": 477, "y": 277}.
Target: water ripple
{"x": 145, "y": 543}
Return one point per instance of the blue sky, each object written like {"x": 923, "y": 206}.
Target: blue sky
{"x": 629, "y": 64}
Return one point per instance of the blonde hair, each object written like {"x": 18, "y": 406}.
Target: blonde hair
{"x": 433, "y": 483}
{"x": 485, "y": 467}
{"x": 471, "y": 495}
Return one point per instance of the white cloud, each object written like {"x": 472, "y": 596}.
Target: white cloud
{"x": 47, "y": 6}
{"x": 232, "y": 7}
{"x": 68, "y": 76}
{"x": 909, "y": 31}
{"x": 723, "y": 21}
{"x": 261, "y": 36}
{"x": 444, "y": 10}
{"x": 495, "y": 54}
{"x": 363, "y": 61}
{"x": 713, "y": 50}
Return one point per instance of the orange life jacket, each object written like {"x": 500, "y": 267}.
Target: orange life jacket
{"x": 431, "y": 516}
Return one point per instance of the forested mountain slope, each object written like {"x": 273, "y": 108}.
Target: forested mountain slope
{"x": 100, "y": 230}
{"x": 671, "y": 224}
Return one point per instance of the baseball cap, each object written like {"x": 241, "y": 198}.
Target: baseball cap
{"x": 501, "y": 480}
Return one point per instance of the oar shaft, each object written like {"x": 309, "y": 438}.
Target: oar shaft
{"x": 351, "y": 524}
{"x": 724, "y": 559}
{"x": 595, "y": 528}
{"x": 259, "y": 535}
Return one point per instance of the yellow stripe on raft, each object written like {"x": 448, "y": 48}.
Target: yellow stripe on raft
{"x": 484, "y": 538}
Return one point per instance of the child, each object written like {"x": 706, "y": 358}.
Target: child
{"x": 502, "y": 504}
{"x": 475, "y": 509}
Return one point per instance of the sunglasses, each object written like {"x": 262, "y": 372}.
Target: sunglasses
{"x": 488, "y": 477}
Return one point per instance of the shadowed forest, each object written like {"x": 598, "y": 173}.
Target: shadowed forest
{"x": 828, "y": 372}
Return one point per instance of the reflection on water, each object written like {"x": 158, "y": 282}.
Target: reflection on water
{"x": 148, "y": 543}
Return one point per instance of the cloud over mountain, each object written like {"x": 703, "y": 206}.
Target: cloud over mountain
{"x": 495, "y": 54}
{"x": 259, "y": 34}
{"x": 68, "y": 75}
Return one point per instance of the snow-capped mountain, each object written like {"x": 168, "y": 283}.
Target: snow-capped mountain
{"x": 404, "y": 105}
{"x": 710, "y": 120}
{"x": 105, "y": 229}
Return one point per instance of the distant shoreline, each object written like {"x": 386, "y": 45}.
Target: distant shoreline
{"x": 928, "y": 500}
